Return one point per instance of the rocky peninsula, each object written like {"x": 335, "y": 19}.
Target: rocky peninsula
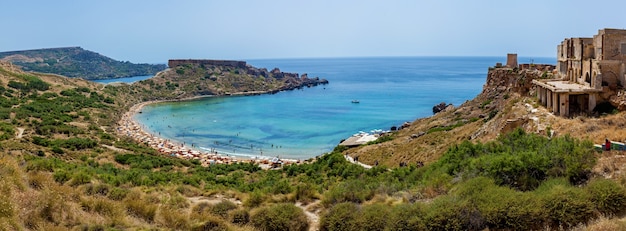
{"x": 197, "y": 78}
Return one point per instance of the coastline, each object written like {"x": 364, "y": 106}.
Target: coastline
{"x": 127, "y": 126}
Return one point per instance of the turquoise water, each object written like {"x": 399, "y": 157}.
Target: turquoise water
{"x": 305, "y": 123}
{"x": 131, "y": 79}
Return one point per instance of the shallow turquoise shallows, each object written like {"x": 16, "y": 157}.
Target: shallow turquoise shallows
{"x": 301, "y": 124}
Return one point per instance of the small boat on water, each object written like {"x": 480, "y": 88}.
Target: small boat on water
{"x": 355, "y": 101}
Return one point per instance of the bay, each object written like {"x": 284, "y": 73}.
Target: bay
{"x": 301, "y": 124}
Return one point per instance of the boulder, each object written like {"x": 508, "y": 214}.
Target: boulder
{"x": 440, "y": 107}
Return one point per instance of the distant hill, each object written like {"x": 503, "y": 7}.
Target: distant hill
{"x": 77, "y": 62}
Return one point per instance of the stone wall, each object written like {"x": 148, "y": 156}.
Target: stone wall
{"x": 232, "y": 63}
{"x": 534, "y": 66}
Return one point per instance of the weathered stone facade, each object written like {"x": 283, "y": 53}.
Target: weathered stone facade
{"x": 233, "y": 63}
{"x": 511, "y": 60}
{"x": 590, "y": 70}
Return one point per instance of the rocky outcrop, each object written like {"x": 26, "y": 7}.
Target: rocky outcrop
{"x": 191, "y": 78}
{"x": 440, "y": 107}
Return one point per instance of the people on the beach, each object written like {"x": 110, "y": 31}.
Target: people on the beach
{"x": 129, "y": 127}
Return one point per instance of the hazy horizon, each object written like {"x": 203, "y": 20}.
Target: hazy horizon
{"x": 155, "y": 31}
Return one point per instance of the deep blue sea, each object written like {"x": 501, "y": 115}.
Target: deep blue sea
{"x": 301, "y": 124}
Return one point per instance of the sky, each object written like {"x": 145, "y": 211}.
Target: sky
{"x": 153, "y": 31}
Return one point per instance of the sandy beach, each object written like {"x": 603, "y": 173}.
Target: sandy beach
{"x": 128, "y": 127}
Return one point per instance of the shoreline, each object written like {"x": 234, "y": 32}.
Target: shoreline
{"x": 127, "y": 126}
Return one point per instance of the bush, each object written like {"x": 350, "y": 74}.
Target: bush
{"x": 373, "y": 217}
{"x": 141, "y": 209}
{"x": 239, "y": 216}
{"x": 406, "y": 217}
{"x": 278, "y": 217}
{"x": 608, "y": 197}
{"x": 222, "y": 208}
{"x": 445, "y": 213}
{"x": 255, "y": 199}
{"x": 342, "y": 216}
{"x": 173, "y": 218}
{"x": 500, "y": 207}
{"x": 100, "y": 189}
{"x": 348, "y": 191}
{"x": 118, "y": 194}
{"x": 101, "y": 206}
{"x": 61, "y": 176}
{"x": 567, "y": 206}
{"x": 521, "y": 160}
{"x": 80, "y": 178}
{"x": 212, "y": 224}
{"x": 7, "y": 209}
{"x": 305, "y": 193}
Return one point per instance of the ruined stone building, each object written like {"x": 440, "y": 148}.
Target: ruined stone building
{"x": 590, "y": 71}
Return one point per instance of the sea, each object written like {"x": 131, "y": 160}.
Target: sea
{"x": 301, "y": 124}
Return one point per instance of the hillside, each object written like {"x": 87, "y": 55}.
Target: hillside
{"x": 505, "y": 103}
{"x": 77, "y": 62}
{"x": 64, "y": 167}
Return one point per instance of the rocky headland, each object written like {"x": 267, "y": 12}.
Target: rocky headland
{"x": 198, "y": 78}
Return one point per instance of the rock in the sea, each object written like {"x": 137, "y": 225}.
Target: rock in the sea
{"x": 440, "y": 107}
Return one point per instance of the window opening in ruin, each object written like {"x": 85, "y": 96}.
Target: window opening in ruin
{"x": 587, "y": 78}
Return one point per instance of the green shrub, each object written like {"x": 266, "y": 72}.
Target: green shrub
{"x": 222, "y": 208}
{"x": 342, "y": 216}
{"x": 80, "y": 178}
{"x": 57, "y": 150}
{"x": 118, "y": 194}
{"x": 278, "y": 217}
{"x": 212, "y": 224}
{"x": 348, "y": 191}
{"x": 446, "y": 213}
{"x": 255, "y": 199}
{"x": 406, "y": 217}
{"x": 501, "y": 207}
{"x": 608, "y": 197}
{"x": 281, "y": 187}
{"x": 305, "y": 192}
{"x": 61, "y": 176}
{"x": 521, "y": 160}
{"x": 567, "y": 206}
{"x": 239, "y": 216}
{"x": 373, "y": 217}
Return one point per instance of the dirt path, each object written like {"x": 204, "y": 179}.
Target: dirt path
{"x": 20, "y": 133}
{"x": 114, "y": 148}
{"x": 314, "y": 218}
{"x": 349, "y": 158}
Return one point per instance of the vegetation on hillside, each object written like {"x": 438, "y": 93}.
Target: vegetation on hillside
{"x": 77, "y": 62}
{"x": 69, "y": 170}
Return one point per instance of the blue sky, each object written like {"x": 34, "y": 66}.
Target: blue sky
{"x": 155, "y": 31}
